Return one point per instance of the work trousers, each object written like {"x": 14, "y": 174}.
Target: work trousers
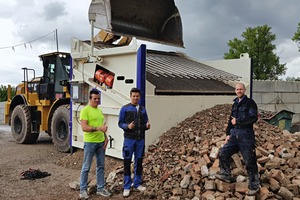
{"x": 242, "y": 140}
{"x": 130, "y": 147}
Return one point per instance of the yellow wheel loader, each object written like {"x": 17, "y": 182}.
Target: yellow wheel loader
{"x": 42, "y": 103}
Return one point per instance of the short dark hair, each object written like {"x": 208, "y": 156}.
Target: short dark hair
{"x": 94, "y": 91}
{"x": 135, "y": 90}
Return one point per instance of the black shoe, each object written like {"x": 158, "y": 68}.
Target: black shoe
{"x": 252, "y": 192}
{"x": 225, "y": 178}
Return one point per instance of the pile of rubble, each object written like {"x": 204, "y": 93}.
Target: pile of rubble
{"x": 183, "y": 161}
{"x": 265, "y": 113}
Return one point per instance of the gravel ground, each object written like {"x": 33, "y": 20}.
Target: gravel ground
{"x": 63, "y": 167}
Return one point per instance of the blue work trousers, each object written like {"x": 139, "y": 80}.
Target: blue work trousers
{"x": 130, "y": 147}
{"x": 91, "y": 149}
{"x": 242, "y": 140}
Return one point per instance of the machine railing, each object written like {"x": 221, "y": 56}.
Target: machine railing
{"x": 27, "y": 83}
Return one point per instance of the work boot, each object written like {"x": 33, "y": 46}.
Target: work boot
{"x": 103, "y": 192}
{"x": 252, "y": 192}
{"x": 141, "y": 188}
{"x": 225, "y": 178}
{"x": 83, "y": 195}
{"x": 126, "y": 192}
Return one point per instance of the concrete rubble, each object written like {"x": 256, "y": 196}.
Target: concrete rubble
{"x": 183, "y": 161}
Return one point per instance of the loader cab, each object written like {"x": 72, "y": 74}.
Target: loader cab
{"x": 56, "y": 75}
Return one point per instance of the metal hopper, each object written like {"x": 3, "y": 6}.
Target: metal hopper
{"x": 152, "y": 20}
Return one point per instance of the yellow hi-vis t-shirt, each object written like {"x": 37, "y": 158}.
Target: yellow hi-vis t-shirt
{"x": 95, "y": 118}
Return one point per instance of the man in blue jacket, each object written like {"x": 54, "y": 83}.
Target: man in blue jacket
{"x": 133, "y": 119}
{"x": 241, "y": 137}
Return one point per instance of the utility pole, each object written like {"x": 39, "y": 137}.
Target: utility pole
{"x": 56, "y": 37}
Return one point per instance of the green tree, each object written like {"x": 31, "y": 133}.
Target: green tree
{"x": 257, "y": 42}
{"x": 292, "y": 78}
{"x": 3, "y": 92}
{"x": 296, "y": 37}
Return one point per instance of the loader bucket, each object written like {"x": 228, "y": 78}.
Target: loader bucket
{"x": 152, "y": 20}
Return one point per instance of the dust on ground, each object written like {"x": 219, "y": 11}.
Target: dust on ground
{"x": 63, "y": 167}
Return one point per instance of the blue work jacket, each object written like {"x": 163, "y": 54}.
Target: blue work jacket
{"x": 245, "y": 113}
{"x": 128, "y": 114}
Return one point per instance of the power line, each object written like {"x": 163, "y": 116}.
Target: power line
{"x": 29, "y": 42}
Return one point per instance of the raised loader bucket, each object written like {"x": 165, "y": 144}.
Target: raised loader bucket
{"x": 152, "y": 20}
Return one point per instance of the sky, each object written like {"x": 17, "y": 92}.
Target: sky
{"x": 207, "y": 28}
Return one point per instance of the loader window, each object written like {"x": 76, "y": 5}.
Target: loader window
{"x": 49, "y": 70}
{"x": 62, "y": 72}
{"x": 51, "y": 73}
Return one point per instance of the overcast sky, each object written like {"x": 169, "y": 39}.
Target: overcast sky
{"x": 207, "y": 28}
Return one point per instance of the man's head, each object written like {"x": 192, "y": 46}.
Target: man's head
{"x": 135, "y": 95}
{"x": 94, "y": 98}
{"x": 240, "y": 90}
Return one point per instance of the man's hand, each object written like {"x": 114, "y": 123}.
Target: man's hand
{"x": 227, "y": 138}
{"x": 103, "y": 128}
{"x": 233, "y": 120}
{"x": 131, "y": 125}
{"x": 105, "y": 142}
{"x": 148, "y": 125}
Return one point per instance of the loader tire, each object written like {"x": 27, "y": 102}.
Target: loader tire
{"x": 60, "y": 128}
{"x": 21, "y": 125}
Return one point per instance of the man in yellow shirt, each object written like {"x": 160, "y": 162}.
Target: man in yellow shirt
{"x": 95, "y": 142}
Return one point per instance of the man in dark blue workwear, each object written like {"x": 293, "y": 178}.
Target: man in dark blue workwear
{"x": 241, "y": 137}
{"x": 133, "y": 119}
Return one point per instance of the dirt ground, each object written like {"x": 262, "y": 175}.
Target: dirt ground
{"x": 63, "y": 167}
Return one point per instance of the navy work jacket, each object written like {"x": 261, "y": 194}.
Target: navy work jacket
{"x": 245, "y": 113}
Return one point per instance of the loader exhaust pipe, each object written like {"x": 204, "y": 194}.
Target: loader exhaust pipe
{"x": 152, "y": 20}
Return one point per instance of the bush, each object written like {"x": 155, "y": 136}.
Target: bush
{"x": 3, "y": 92}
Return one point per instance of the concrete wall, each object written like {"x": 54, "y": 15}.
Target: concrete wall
{"x": 2, "y": 113}
{"x": 278, "y": 95}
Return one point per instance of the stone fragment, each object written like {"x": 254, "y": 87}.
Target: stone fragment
{"x": 206, "y": 158}
{"x": 177, "y": 191}
{"x": 208, "y": 194}
{"x": 190, "y": 159}
{"x": 212, "y": 172}
{"x": 92, "y": 187}
{"x": 210, "y": 185}
{"x": 222, "y": 186}
{"x": 196, "y": 177}
{"x": 274, "y": 185}
{"x": 294, "y": 188}
{"x": 204, "y": 171}
{"x": 263, "y": 151}
{"x": 263, "y": 159}
{"x": 241, "y": 178}
{"x": 216, "y": 163}
{"x": 214, "y": 153}
{"x": 185, "y": 181}
{"x": 74, "y": 185}
{"x": 285, "y": 193}
{"x": 237, "y": 161}
{"x": 111, "y": 176}
{"x": 241, "y": 187}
